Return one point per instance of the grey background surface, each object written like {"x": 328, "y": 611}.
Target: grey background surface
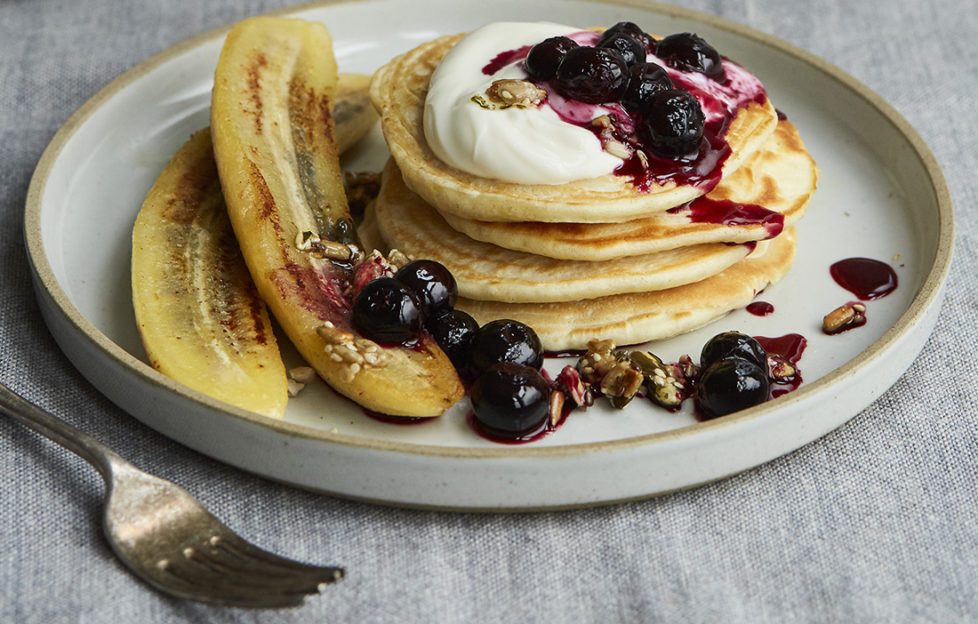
{"x": 876, "y": 522}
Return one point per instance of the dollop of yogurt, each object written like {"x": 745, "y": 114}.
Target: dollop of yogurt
{"x": 519, "y": 145}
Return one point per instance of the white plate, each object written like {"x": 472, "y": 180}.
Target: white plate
{"x": 881, "y": 195}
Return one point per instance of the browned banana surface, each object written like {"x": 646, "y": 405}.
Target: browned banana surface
{"x": 276, "y": 150}
{"x": 197, "y": 309}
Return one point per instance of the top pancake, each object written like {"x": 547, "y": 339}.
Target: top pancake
{"x": 398, "y": 91}
{"x": 780, "y": 177}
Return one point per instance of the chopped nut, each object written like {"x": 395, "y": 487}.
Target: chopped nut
{"x": 622, "y": 383}
{"x": 780, "y": 369}
{"x": 642, "y": 158}
{"x": 844, "y": 317}
{"x": 574, "y": 387}
{"x": 665, "y": 383}
{"x": 397, "y": 259}
{"x": 302, "y": 374}
{"x": 313, "y": 243}
{"x": 294, "y": 387}
{"x": 618, "y": 149}
{"x": 556, "y": 407}
{"x": 519, "y": 93}
{"x": 597, "y": 361}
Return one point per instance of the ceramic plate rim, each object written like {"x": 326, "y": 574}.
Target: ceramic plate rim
{"x": 928, "y": 294}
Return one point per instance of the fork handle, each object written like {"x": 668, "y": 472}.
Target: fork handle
{"x": 85, "y": 446}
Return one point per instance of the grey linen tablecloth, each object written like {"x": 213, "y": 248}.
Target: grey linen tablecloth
{"x": 875, "y": 522}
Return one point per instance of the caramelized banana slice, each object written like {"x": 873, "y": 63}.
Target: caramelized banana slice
{"x": 275, "y": 145}
{"x": 200, "y": 317}
{"x": 352, "y": 110}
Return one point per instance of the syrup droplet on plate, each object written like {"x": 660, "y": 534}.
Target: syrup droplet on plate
{"x": 760, "y": 308}
{"x": 864, "y": 277}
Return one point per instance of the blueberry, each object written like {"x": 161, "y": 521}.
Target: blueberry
{"x": 729, "y": 385}
{"x": 433, "y": 284}
{"x": 689, "y": 52}
{"x": 510, "y": 400}
{"x": 386, "y": 311}
{"x": 632, "y": 30}
{"x": 542, "y": 61}
{"x": 592, "y": 75}
{"x": 672, "y": 125}
{"x": 453, "y": 330}
{"x": 735, "y": 344}
{"x": 644, "y": 81}
{"x": 505, "y": 340}
{"x": 630, "y": 49}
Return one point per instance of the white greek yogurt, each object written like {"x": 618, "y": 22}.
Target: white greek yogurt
{"x": 519, "y": 145}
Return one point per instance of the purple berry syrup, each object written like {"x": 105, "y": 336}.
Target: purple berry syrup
{"x": 720, "y": 104}
{"x": 864, "y": 277}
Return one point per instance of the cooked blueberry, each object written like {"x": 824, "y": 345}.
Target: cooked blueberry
{"x": 629, "y": 48}
{"x": 672, "y": 125}
{"x": 632, "y": 30}
{"x": 542, "y": 61}
{"x": 644, "y": 81}
{"x": 592, "y": 75}
{"x": 690, "y": 52}
{"x": 510, "y": 400}
{"x": 730, "y": 385}
{"x": 505, "y": 340}
{"x": 433, "y": 284}
{"x": 735, "y": 344}
{"x": 386, "y": 311}
{"x": 453, "y": 331}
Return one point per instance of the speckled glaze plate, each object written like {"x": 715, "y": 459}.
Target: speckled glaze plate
{"x": 881, "y": 195}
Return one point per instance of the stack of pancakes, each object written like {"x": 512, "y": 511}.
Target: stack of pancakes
{"x": 596, "y": 258}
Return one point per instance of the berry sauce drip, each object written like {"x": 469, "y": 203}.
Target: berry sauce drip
{"x": 505, "y": 58}
{"x": 790, "y": 347}
{"x": 396, "y": 420}
{"x": 525, "y": 438}
{"x": 726, "y": 212}
{"x": 859, "y": 320}
{"x": 760, "y": 308}
{"x": 719, "y": 101}
{"x": 864, "y": 277}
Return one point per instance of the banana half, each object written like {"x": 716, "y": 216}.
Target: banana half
{"x": 278, "y": 160}
{"x": 199, "y": 314}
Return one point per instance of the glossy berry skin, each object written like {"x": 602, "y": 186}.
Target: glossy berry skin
{"x": 672, "y": 125}
{"x": 733, "y": 344}
{"x": 505, "y": 340}
{"x": 592, "y": 75}
{"x": 431, "y": 282}
{"x": 730, "y": 385}
{"x": 453, "y": 330}
{"x": 511, "y": 401}
{"x": 387, "y": 312}
{"x": 630, "y": 49}
{"x": 690, "y": 52}
{"x": 542, "y": 61}
{"x": 644, "y": 81}
{"x": 632, "y": 30}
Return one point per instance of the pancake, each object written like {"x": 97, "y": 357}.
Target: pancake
{"x": 398, "y": 91}
{"x": 641, "y": 317}
{"x": 780, "y": 177}
{"x": 489, "y": 272}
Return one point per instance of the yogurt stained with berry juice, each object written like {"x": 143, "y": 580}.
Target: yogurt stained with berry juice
{"x": 540, "y": 145}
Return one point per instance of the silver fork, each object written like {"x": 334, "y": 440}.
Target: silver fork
{"x": 168, "y": 539}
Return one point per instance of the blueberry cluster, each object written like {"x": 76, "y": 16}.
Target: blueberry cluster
{"x": 502, "y": 359}
{"x": 670, "y": 119}
{"x": 733, "y": 375}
